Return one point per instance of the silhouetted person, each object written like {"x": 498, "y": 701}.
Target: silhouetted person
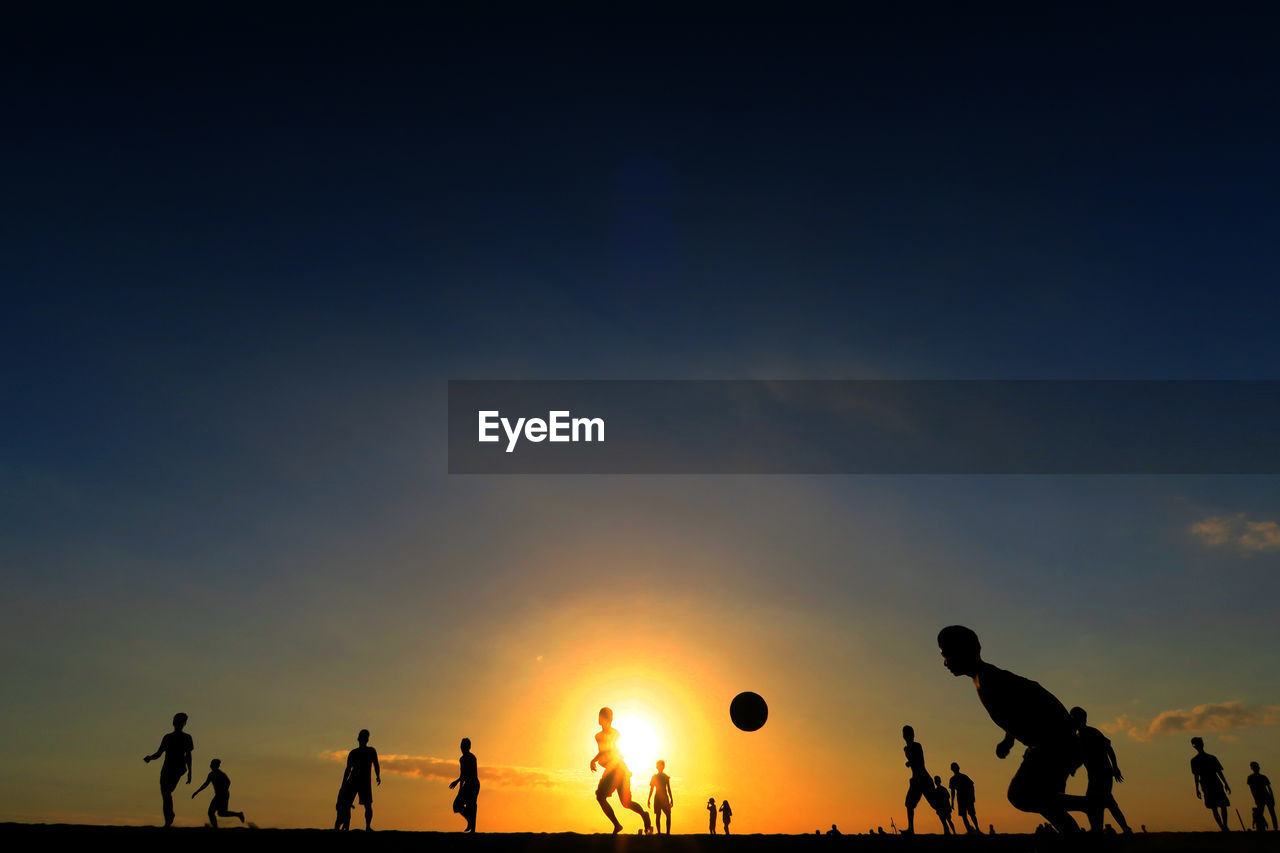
{"x": 1211, "y": 785}
{"x": 346, "y": 797}
{"x": 940, "y": 799}
{"x": 921, "y": 784}
{"x": 833, "y": 830}
{"x": 616, "y": 776}
{"x": 361, "y": 763}
{"x": 176, "y": 747}
{"x": 220, "y": 805}
{"x": 1263, "y": 796}
{"x": 1028, "y": 714}
{"x": 468, "y": 777}
{"x": 726, "y": 814}
{"x": 660, "y": 797}
{"x": 711, "y": 815}
{"x": 963, "y": 799}
{"x": 1102, "y": 768}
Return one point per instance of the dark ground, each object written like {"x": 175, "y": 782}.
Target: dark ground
{"x": 23, "y": 837}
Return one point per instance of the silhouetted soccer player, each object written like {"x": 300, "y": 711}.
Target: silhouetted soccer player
{"x": 1263, "y": 796}
{"x": 176, "y": 748}
{"x": 1029, "y": 714}
{"x": 726, "y": 814}
{"x": 469, "y": 778}
{"x": 361, "y": 762}
{"x": 616, "y": 776}
{"x": 921, "y": 784}
{"x": 660, "y": 785}
{"x": 962, "y": 798}
{"x": 940, "y": 799}
{"x": 1102, "y": 768}
{"x": 1211, "y": 785}
{"x": 220, "y": 805}
{"x": 711, "y": 819}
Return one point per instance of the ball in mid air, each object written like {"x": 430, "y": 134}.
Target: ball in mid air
{"x": 748, "y": 711}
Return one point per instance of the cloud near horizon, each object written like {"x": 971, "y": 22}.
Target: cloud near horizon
{"x": 1250, "y": 537}
{"x": 497, "y": 776}
{"x": 1213, "y": 717}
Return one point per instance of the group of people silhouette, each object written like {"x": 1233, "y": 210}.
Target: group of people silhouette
{"x": 175, "y": 750}
{"x": 957, "y": 795}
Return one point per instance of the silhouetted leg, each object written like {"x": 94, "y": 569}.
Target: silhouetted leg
{"x": 1114, "y": 808}
{"x": 977, "y": 827}
{"x": 1272, "y": 809}
{"x": 368, "y": 816}
{"x": 603, "y": 800}
{"x": 166, "y": 798}
{"x": 624, "y": 796}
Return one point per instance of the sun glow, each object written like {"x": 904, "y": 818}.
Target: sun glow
{"x": 638, "y": 743}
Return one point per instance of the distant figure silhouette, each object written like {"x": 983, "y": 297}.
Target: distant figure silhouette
{"x": 940, "y": 799}
{"x": 711, "y": 819}
{"x": 1102, "y": 768}
{"x": 1263, "y": 796}
{"x": 921, "y": 783}
{"x": 361, "y": 763}
{"x": 963, "y": 799}
{"x": 832, "y": 830}
{"x": 465, "y": 803}
{"x": 616, "y": 776}
{"x": 660, "y": 797}
{"x": 176, "y": 747}
{"x": 726, "y": 814}
{"x": 219, "y": 806}
{"x": 346, "y": 797}
{"x": 1027, "y": 713}
{"x": 1211, "y": 785}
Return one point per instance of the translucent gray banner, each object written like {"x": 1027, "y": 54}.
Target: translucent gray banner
{"x": 864, "y": 427}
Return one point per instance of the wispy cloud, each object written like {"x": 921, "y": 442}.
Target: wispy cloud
{"x": 497, "y": 776}
{"x": 1213, "y": 717}
{"x": 1237, "y": 531}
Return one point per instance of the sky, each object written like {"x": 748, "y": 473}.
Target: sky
{"x": 244, "y": 251}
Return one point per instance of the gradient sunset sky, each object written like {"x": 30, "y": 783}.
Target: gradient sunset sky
{"x": 244, "y": 252}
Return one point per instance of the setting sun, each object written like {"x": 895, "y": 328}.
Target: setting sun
{"x": 638, "y": 743}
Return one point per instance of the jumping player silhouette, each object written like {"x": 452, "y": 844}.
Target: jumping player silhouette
{"x": 176, "y": 747}
{"x": 220, "y": 805}
{"x": 1211, "y": 785}
{"x": 616, "y": 776}
{"x": 660, "y": 785}
{"x": 962, "y": 798}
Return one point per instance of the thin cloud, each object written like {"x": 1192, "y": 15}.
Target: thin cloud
{"x": 496, "y": 776}
{"x": 1213, "y": 717}
{"x": 1238, "y": 531}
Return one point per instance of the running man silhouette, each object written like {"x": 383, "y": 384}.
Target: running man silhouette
{"x": 176, "y": 747}
{"x": 219, "y": 806}
{"x": 660, "y": 784}
{"x": 726, "y": 814}
{"x": 921, "y": 784}
{"x": 1028, "y": 714}
{"x": 465, "y": 803}
{"x": 1263, "y": 796}
{"x": 962, "y": 798}
{"x": 1102, "y": 768}
{"x": 940, "y": 799}
{"x": 616, "y": 776}
{"x": 360, "y": 762}
{"x": 1211, "y": 785}
{"x": 711, "y": 811}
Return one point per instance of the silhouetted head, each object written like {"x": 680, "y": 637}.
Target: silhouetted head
{"x": 1255, "y": 767}
{"x": 215, "y": 764}
{"x": 711, "y": 801}
{"x": 363, "y": 737}
{"x": 1198, "y": 743}
{"x": 961, "y": 651}
{"x": 606, "y": 716}
{"x": 908, "y": 734}
{"x": 1079, "y": 716}
{"x": 955, "y": 768}
{"x": 466, "y": 745}
{"x": 662, "y": 765}
{"x": 937, "y": 780}
{"x": 179, "y": 720}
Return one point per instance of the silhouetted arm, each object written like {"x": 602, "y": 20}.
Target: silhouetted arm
{"x": 1115, "y": 765}
{"x": 671, "y": 798}
{"x": 1196, "y": 776}
{"x": 649, "y": 800}
{"x": 1004, "y": 746}
{"x": 203, "y": 785}
{"x": 1225, "y": 784}
{"x": 153, "y": 756}
{"x": 377, "y": 771}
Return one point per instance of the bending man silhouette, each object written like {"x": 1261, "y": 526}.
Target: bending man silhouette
{"x": 616, "y": 776}
{"x": 962, "y": 798}
{"x": 1028, "y": 714}
{"x": 921, "y": 784}
{"x": 726, "y": 815}
{"x": 361, "y": 763}
{"x": 220, "y": 805}
{"x": 1102, "y": 768}
{"x": 1211, "y": 785}
{"x": 1263, "y": 796}
{"x": 176, "y": 747}
{"x": 711, "y": 811}
{"x": 465, "y": 803}
{"x": 660, "y": 784}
